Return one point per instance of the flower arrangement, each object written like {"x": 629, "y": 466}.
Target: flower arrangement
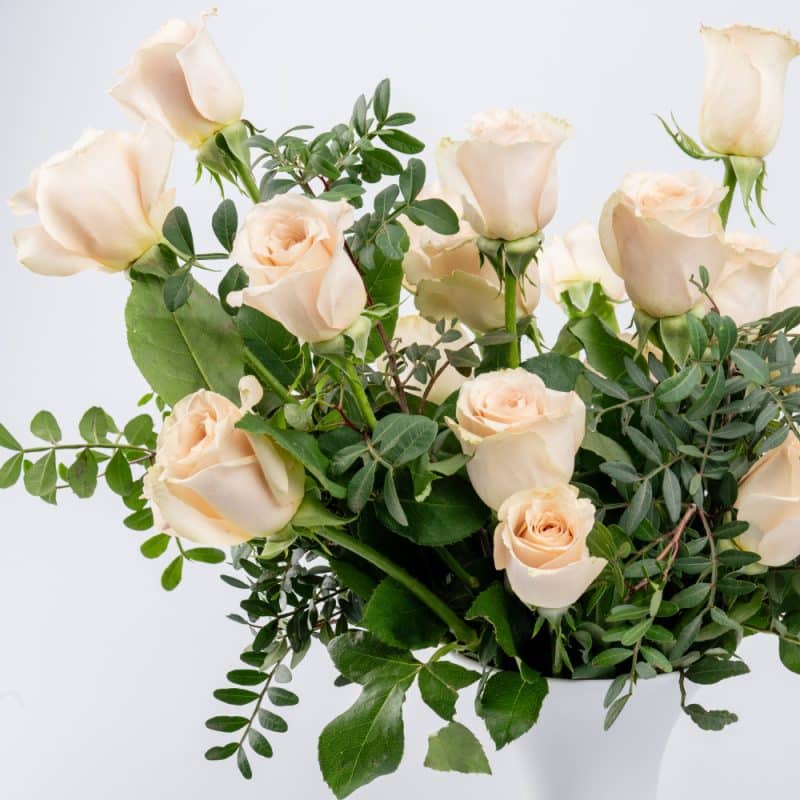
{"x": 622, "y": 503}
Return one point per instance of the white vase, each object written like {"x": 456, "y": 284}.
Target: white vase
{"x": 568, "y": 756}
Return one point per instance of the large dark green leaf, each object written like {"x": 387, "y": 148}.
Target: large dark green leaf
{"x": 276, "y": 348}
{"x": 196, "y": 347}
{"x": 503, "y": 613}
{"x": 711, "y": 669}
{"x": 604, "y": 350}
{"x": 440, "y": 683}
{"x": 510, "y": 705}
{"x": 401, "y": 438}
{"x": 455, "y": 749}
{"x": 557, "y": 371}
{"x": 362, "y": 657}
{"x": 383, "y": 284}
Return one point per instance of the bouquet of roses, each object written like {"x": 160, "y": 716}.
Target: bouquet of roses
{"x": 403, "y": 488}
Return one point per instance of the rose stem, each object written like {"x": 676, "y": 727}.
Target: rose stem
{"x": 463, "y": 632}
{"x": 511, "y": 318}
{"x": 360, "y": 395}
{"x": 266, "y": 377}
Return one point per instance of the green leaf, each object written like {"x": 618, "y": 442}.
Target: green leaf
{"x": 282, "y": 697}
{"x": 366, "y": 741}
{"x": 710, "y": 720}
{"x": 177, "y": 289}
{"x": 44, "y": 426}
{"x": 178, "y": 353}
{"x": 303, "y": 446}
{"x": 790, "y": 655}
{"x": 604, "y": 350}
{"x": 638, "y": 507}
{"x": 11, "y": 470}
{"x": 392, "y": 500}
{"x": 675, "y": 336}
{"x": 671, "y": 489}
{"x": 439, "y": 684}
{"x": 363, "y": 658}
{"x": 244, "y": 764}
{"x": 82, "y": 475}
{"x": 612, "y": 657}
{"x": 223, "y": 752}
{"x": 172, "y": 575}
{"x": 380, "y": 100}
{"x": 614, "y": 710}
{"x": 272, "y": 722}
{"x": 402, "y": 142}
{"x": 510, "y": 705}
{"x": 692, "y": 596}
{"x": 396, "y": 617}
{"x": 226, "y": 724}
{"x": 360, "y": 487}
{"x": 679, "y": 386}
{"x": 383, "y": 282}
{"x": 118, "y": 474}
{"x": 95, "y": 425}
{"x": 710, "y": 397}
{"x": 155, "y": 546}
{"x": 41, "y": 477}
{"x": 502, "y": 611}
{"x": 246, "y": 677}
{"x": 232, "y": 281}
{"x": 401, "y": 438}
{"x": 412, "y": 179}
{"x": 751, "y": 365}
{"x": 258, "y": 742}
{"x": 205, "y": 555}
{"x": 225, "y": 222}
{"x": 7, "y": 440}
{"x": 434, "y": 214}
{"x": 451, "y": 512}
{"x": 276, "y": 348}
{"x": 178, "y": 232}
{"x": 236, "y": 697}
{"x": 711, "y": 669}
{"x": 139, "y": 431}
{"x": 604, "y": 446}
{"x": 557, "y": 371}
{"x": 455, "y": 749}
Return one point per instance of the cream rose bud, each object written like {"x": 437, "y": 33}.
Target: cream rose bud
{"x": 540, "y": 542}
{"x": 293, "y": 250}
{"x": 769, "y": 499}
{"x": 577, "y": 258}
{"x": 417, "y": 330}
{"x": 520, "y": 434}
{"x": 215, "y": 484}
{"x": 101, "y": 204}
{"x": 748, "y": 287}
{"x": 178, "y": 79}
{"x": 505, "y": 172}
{"x": 742, "y": 106}
{"x": 657, "y": 231}
{"x": 450, "y": 282}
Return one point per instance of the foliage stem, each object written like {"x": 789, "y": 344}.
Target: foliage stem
{"x": 463, "y": 632}
{"x": 470, "y": 581}
{"x": 264, "y": 375}
{"x": 512, "y": 358}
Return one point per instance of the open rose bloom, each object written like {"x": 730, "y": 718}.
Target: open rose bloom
{"x": 362, "y": 409}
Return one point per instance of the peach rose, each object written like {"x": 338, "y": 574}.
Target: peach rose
{"x": 742, "y": 106}
{"x": 178, "y": 79}
{"x": 101, "y": 205}
{"x": 505, "y": 172}
{"x": 747, "y": 289}
{"x": 577, "y": 258}
{"x": 769, "y": 499}
{"x": 540, "y": 542}
{"x": 215, "y": 484}
{"x": 657, "y": 231}
{"x": 520, "y": 434}
{"x": 449, "y": 282}
{"x": 292, "y": 249}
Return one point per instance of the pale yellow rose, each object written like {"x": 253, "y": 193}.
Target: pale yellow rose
{"x": 505, "y": 173}
{"x": 742, "y": 106}
{"x": 747, "y": 289}
{"x": 769, "y": 499}
{"x": 101, "y": 204}
{"x": 178, "y": 79}
{"x": 449, "y": 282}
{"x": 293, "y": 250}
{"x": 657, "y": 231}
{"x": 575, "y": 259}
{"x": 540, "y": 542}
{"x": 215, "y": 484}
{"x": 414, "y": 329}
{"x": 520, "y": 434}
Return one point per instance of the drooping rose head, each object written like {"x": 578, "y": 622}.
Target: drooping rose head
{"x": 414, "y": 329}
{"x": 657, "y": 231}
{"x": 747, "y": 289}
{"x": 577, "y": 258}
{"x": 520, "y": 434}
{"x": 769, "y": 499}
{"x": 293, "y": 250}
{"x": 505, "y": 172}
{"x": 540, "y": 542}
{"x": 449, "y": 282}
{"x": 178, "y": 79}
{"x": 742, "y": 106}
{"x": 101, "y": 205}
{"x": 215, "y": 484}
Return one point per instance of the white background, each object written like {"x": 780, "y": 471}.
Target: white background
{"x": 105, "y": 680}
